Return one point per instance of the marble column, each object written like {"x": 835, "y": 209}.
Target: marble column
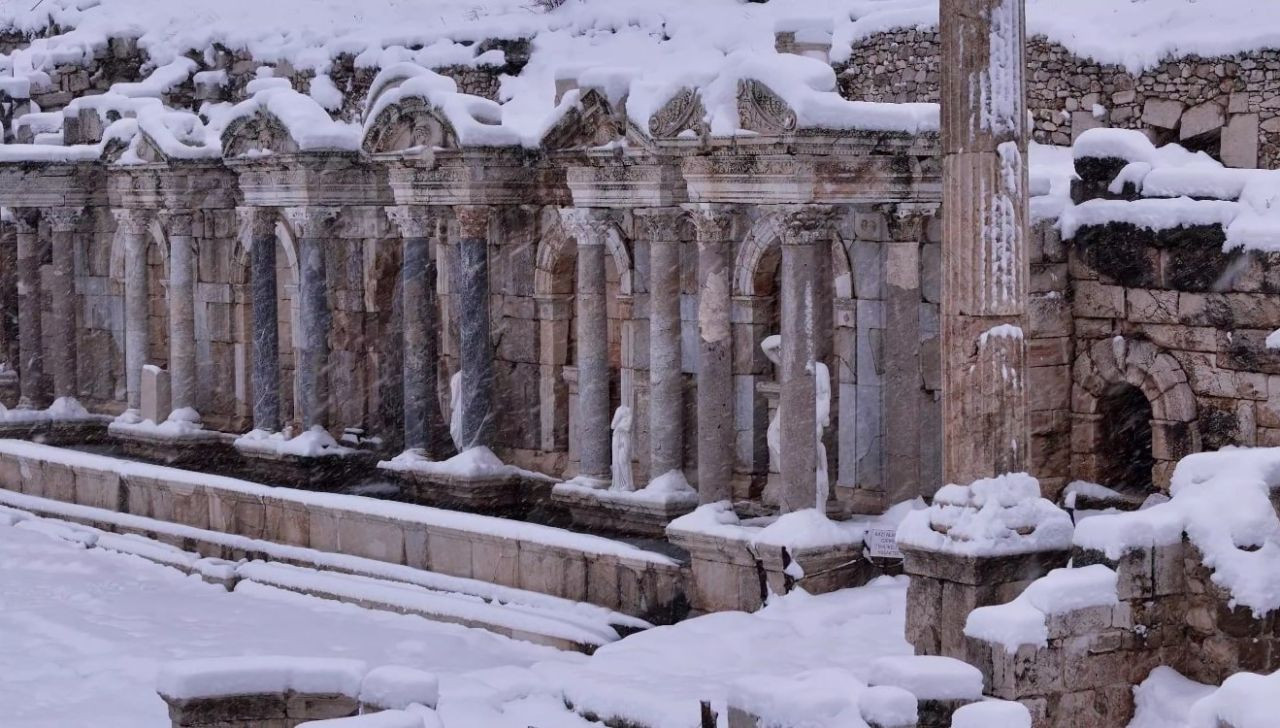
{"x": 474, "y": 341}
{"x": 314, "y": 226}
{"x": 424, "y": 428}
{"x": 182, "y": 309}
{"x": 63, "y": 223}
{"x": 590, "y": 228}
{"x": 985, "y": 264}
{"x": 8, "y": 296}
{"x": 31, "y": 389}
{"x": 806, "y": 239}
{"x": 132, "y": 226}
{"x": 714, "y": 225}
{"x": 666, "y": 379}
{"x": 259, "y": 227}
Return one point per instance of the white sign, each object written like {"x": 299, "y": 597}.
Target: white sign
{"x": 883, "y": 543}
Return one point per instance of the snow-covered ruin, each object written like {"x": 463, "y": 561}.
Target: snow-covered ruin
{"x": 580, "y": 317}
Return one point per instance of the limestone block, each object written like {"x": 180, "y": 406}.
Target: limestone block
{"x": 1043, "y": 352}
{"x": 1152, "y": 306}
{"x": 1202, "y": 119}
{"x": 287, "y": 521}
{"x": 1239, "y": 146}
{"x": 449, "y": 553}
{"x": 495, "y": 561}
{"x": 97, "y": 488}
{"x": 1096, "y": 300}
{"x": 1049, "y": 316}
{"x": 156, "y": 402}
{"x": 1082, "y": 121}
{"x": 1162, "y": 113}
{"x": 1049, "y": 388}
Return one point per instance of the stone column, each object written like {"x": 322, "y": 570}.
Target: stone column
{"x": 182, "y": 309}
{"x": 715, "y": 226}
{"x": 314, "y": 226}
{"x": 590, "y": 229}
{"x": 259, "y": 226}
{"x": 985, "y": 264}
{"x": 806, "y": 240}
{"x": 476, "y": 348}
{"x": 63, "y": 222}
{"x": 30, "y": 339}
{"x": 8, "y": 296}
{"x": 131, "y": 226}
{"x": 666, "y": 380}
{"x": 424, "y": 428}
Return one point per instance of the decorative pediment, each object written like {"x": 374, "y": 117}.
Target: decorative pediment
{"x": 261, "y": 132}
{"x": 411, "y": 122}
{"x": 591, "y": 123}
{"x": 762, "y": 110}
{"x": 683, "y": 112}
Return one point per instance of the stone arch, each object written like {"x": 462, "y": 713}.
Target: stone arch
{"x": 287, "y": 317}
{"x": 757, "y": 254}
{"x": 410, "y": 122}
{"x": 1107, "y": 368}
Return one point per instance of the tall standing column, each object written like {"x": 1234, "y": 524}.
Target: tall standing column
{"x": 131, "y": 226}
{"x": 590, "y": 228}
{"x": 714, "y": 225}
{"x": 314, "y": 226}
{"x": 31, "y": 390}
{"x": 182, "y": 311}
{"x": 258, "y": 225}
{"x": 64, "y": 222}
{"x": 805, "y": 244}
{"x": 474, "y": 340}
{"x": 666, "y": 380}
{"x": 423, "y": 425}
{"x": 985, "y": 264}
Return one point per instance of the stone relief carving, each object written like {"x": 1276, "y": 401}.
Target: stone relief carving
{"x": 592, "y": 123}
{"x": 683, "y": 112}
{"x": 258, "y": 133}
{"x": 761, "y": 110}
{"x": 411, "y": 123}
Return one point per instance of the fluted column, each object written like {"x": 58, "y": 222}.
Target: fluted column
{"x": 131, "y": 226}
{"x": 182, "y": 310}
{"x": 715, "y": 227}
{"x": 590, "y": 228}
{"x": 666, "y": 380}
{"x": 314, "y": 226}
{"x": 30, "y": 338}
{"x": 985, "y": 264}
{"x": 63, "y": 222}
{"x": 258, "y": 225}
{"x": 476, "y": 353}
{"x": 424, "y": 428}
{"x": 806, "y": 239}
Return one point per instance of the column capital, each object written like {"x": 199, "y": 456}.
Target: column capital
{"x": 64, "y": 219}
{"x": 176, "y": 222}
{"x": 473, "y": 220}
{"x": 906, "y": 221}
{"x": 312, "y": 221}
{"x": 132, "y": 220}
{"x": 587, "y": 225}
{"x": 256, "y": 222}
{"x": 806, "y": 224}
{"x": 416, "y": 221}
{"x": 713, "y": 222}
{"x": 26, "y": 220}
{"x": 662, "y": 224}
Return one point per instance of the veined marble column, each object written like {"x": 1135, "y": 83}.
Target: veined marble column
{"x": 715, "y": 226}
{"x": 590, "y": 228}
{"x": 30, "y": 339}
{"x": 258, "y": 225}
{"x": 806, "y": 240}
{"x": 64, "y": 222}
{"x": 476, "y": 353}
{"x": 314, "y": 226}
{"x": 985, "y": 264}
{"x": 424, "y": 428}
{"x": 666, "y": 380}
{"x": 131, "y": 226}
{"x": 182, "y": 309}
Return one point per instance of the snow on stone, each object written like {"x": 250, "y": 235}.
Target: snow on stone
{"x": 1245, "y": 700}
{"x": 308, "y": 124}
{"x": 826, "y": 698}
{"x": 315, "y": 442}
{"x": 260, "y": 674}
{"x": 1022, "y": 621}
{"x": 381, "y": 719}
{"x": 992, "y": 714}
{"x": 803, "y": 529}
{"x": 1165, "y": 698}
{"x": 63, "y": 408}
{"x": 1150, "y": 214}
{"x": 929, "y": 677}
{"x": 397, "y": 687}
{"x": 1001, "y": 515}
{"x": 475, "y": 462}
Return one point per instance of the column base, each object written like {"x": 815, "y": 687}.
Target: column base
{"x": 632, "y": 513}
{"x": 175, "y": 446}
{"x": 8, "y": 387}
{"x": 65, "y": 422}
{"x": 475, "y": 481}
{"x": 312, "y": 460}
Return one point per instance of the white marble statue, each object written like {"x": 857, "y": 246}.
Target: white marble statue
{"x": 822, "y": 401}
{"x": 772, "y": 348}
{"x": 455, "y": 410}
{"x": 622, "y": 450}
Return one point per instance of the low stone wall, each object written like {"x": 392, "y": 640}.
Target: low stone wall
{"x": 525, "y": 556}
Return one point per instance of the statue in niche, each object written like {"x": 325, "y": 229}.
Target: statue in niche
{"x": 772, "y": 348}
{"x": 622, "y": 450}
{"x": 455, "y": 410}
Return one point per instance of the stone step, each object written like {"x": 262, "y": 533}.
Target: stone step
{"x": 240, "y": 563}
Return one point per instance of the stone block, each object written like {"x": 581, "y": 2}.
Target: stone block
{"x": 1239, "y": 145}
{"x": 1082, "y": 121}
{"x": 1152, "y": 306}
{"x": 1049, "y": 388}
{"x": 1162, "y": 113}
{"x": 156, "y": 400}
{"x": 495, "y": 561}
{"x": 1202, "y": 119}
{"x": 1049, "y": 316}
{"x": 449, "y": 553}
{"x": 1096, "y": 300}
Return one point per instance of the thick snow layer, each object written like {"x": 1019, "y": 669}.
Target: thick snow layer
{"x": 1023, "y": 620}
{"x": 476, "y": 462}
{"x": 803, "y": 529}
{"x": 1150, "y": 214}
{"x": 63, "y": 409}
{"x": 992, "y": 714}
{"x": 1001, "y": 515}
{"x": 929, "y": 677}
{"x": 381, "y": 719}
{"x": 260, "y": 674}
{"x": 312, "y": 443}
{"x": 1165, "y": 698}
{"x": 1245, "y": 700}
{"x": 394, "y": 686}
{"x": 827, "y": 698}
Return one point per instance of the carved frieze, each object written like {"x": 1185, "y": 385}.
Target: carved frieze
{"x": 410, "y": 123}
{"x": 683, "y": 112}
{"x": 762, "y": 110}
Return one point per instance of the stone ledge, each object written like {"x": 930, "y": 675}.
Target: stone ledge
{"x": 205, "y": 449}
{"x": 320, "y": 472}
{"x": 487, "y": 494}
{"x": 622, "y": 512}
{"x": 57, "y": 432}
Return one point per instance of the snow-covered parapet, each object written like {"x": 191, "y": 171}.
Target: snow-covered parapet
{"x": 990, "y": 517}
{"x": 1027, "y": 620}
{"x": 830, "y": 698}
{"x": 1245, "y": 700}
{"x": 992, "y": 714}
{"x": 278, "y": 119}
{"x": 315, "y": 442}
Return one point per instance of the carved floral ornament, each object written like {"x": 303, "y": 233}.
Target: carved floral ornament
{"x": 682, "y": 112}
{"x": 409, "y": 123}
{"x": 592, "y": 122}
{"x": 261, "y": 132}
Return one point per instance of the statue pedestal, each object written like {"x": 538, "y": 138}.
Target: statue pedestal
{"x": 196, "y": 448}
{"x": 474, "y": 480}
{"x": 630, "y": 513}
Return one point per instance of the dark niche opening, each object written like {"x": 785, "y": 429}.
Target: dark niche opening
{"x": 1126, "y": 440}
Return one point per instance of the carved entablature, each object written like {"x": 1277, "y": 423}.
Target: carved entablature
{"x": 412, "y": 122}
{"x": 592, "y": 123}
{"x": 683, "y": 112}
{"x": 259, "y": 133}
{"x": 762, "y": 110}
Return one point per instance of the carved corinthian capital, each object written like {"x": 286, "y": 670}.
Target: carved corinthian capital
{"x": 176, "y": 222}
{"x": 64, "y": 219}
{"x": 713, "y": 222}
{"x": 312, "y": 221}
{"x": 26, "y": 220}
{"x": 806, "y": 224}
{"x": 256, "y": 223}
{"x": 416, "y": 221}
{"x": 134, "y": 222}
{"x": 587, "y": 225}
{"x": 661, "y": 223}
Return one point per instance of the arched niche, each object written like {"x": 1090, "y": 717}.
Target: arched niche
{"x": 410, "y": 122}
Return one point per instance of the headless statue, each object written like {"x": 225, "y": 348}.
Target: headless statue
{"x": 455, "y": 410}
{"x": 622, "y": 450}
{"x": 772, "y": 348}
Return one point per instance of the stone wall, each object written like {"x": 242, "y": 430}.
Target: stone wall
{"x": 1228, "y": 106}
